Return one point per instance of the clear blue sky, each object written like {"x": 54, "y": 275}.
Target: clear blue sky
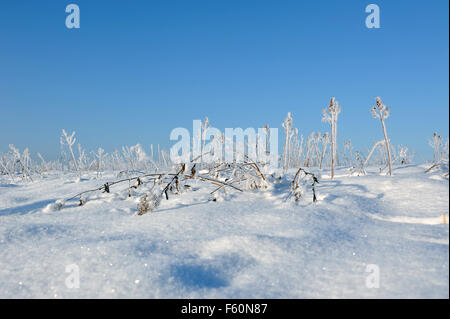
{"x": 137, "y": 69}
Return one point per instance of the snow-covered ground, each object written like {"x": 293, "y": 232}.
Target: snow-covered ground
{"x": 249, "y": 245}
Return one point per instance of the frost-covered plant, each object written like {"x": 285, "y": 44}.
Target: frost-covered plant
{"x": 294, "y": 148}
{"x": 149, "y": 202}
{"x": 165, "y": 158}
{"x": 4, "y": 163}
{"x": 267, "y": 141}
{"x": 138, "y": 152}
{"x": 99, "y": 156}
{"x": 348, "y": 152}
{"x": 374, "y": 147}
{"x": 436, "y": 144}
{"x": 359, "y": 164}
{"x": 298, "y": 191}
{"x": 299, "y": 149}
{"x": 325, "y": 141}
{"x": 402, "y": 156}
{"x": 204, "y": 128}
{"x": 445, "y": 151}
{"x": 44, "y": 166}
{"x": 441, "y": 153}
{"x": 307, "y": 153}
{"x": 287, "y": 125}
{"x": 311, "y": 146}
{"x": 255, "y": 179}
{"x": 23, "y": 160}
{"x": 332, "y": 117}
{"x": 298, "y": 184}
{"x": 115, "y": 160}
{"x": 128, "y": 156}
{"x": 70, "y": 141}
{"x": 81, "y": 158}
{"x": 135, "y": 159}
{"x": 381, "y": 112}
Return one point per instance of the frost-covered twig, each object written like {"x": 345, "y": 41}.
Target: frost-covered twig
{"x": 151, "y": 200}
{"x": 287, "y": 125}
{"x": 331, "y": 117}
{"x": 99, "y": 156}
{"x": 296, "y": 188}
{"x": 217, "y": 182}
{"x": 442, "y": 162}
{"x": 6, "y": 170}
{"x": 325, "y": 140}
{"x": 360, "y": 164}
{"x": 375, "y": 145}
{"x": 44, "y": 164}
{"x": 204, "y": 128}
{"x": 22, "y": 160}
{"x": 436, "y": 144}
{"x": 381, "y": 112}
{"x": 70, "y": 141}
{"x": 106, "y": 187}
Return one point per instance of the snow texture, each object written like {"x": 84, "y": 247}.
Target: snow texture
{"x": 246, "y": 245}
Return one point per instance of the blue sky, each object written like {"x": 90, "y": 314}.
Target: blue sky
{"x": 137, "y": 69}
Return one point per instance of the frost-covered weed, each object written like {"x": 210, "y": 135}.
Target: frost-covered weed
{"x": 148, "y": 203}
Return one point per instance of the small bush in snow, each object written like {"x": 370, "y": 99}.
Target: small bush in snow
{"x": 148, "y": 203}
{"x": 298, "y": 184}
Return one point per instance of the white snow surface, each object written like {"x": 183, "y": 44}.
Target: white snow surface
{"x": 248, "y": 245}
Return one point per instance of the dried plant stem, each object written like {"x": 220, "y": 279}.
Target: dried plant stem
{"x": 387, "y": 145}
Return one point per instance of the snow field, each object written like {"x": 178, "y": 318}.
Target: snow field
{"x": 245, "y": 245}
